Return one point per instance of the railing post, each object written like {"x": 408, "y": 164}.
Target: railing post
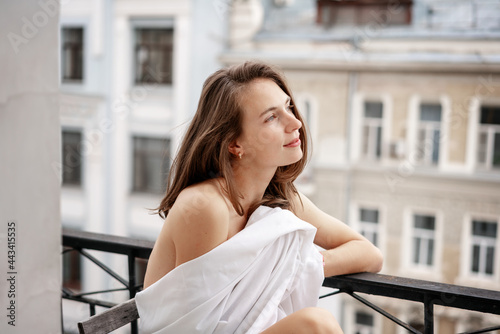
{"x": 131, "y": 286}
{"x": 131, "y": 275}
{"x": 428, "y": 315}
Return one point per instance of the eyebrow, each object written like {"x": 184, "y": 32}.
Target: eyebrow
{"x": 288, "y": 99}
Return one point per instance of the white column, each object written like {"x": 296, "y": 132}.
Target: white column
{"x": 30, "y": 154}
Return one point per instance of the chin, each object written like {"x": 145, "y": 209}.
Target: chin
{"x": 292, "y": 161}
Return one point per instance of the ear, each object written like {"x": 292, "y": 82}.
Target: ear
{"x": 234, "y": 148}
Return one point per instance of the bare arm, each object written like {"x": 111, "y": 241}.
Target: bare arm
{"x": 346, "y": 251}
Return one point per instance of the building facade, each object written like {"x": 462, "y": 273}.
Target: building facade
{"x": 403, "y": 104}
{"x": 130, "y": 76}
{"x": 402, "y": 100}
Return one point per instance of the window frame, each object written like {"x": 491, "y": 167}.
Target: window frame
{"x": 351, "y": 307}
{"x": 429, "y": 128}
{"x": 327, "y": 5}
{"x": 424, "y": 237}
{"x": 305, "y": 182}
{"x": 357, "y": 127}
{"x": 473, "y": 128}
{"x": 373, "y": 125}
{"x": 370, "y": 230}
{"x": 413, "y": 126}
{"x": 429, "y": 272}
{"x": 72, "y": 275}
{"x": 362, "y": 328}
{"x": 165, "y": 23}
{"x": 81, "y": 163}
{"x": 467, "y": 248}
{"x": 491, "y": 130}
{"x": 70, "y": 80}
{"x": 358, "y": 225}
{"x": 166, "y": 158}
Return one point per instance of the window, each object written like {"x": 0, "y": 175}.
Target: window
{"x": 153, "y": 55}
{"x": 306, "y": 111}
{"x": 455, "y": 15}
{"x": 72, "y": 276}
{"x": 484, "y": 235}
{"x": 368, "y": 221}
{"x": 71, "y": 157}
{"x": 140, "y": 270}
{"x": 418, "y": 325}
{"x": 72, "y": 54}
{"x": 488, "y": 150}
{"x": 428, "y": 134}
{"x": 423, "y": 240}
{"x": 349, "y": 13}
{"x": 305, "y": 105}
{"x": 151, "y": 164}
{"x": 364, "y": 323}
{"x": 372, "y": 130}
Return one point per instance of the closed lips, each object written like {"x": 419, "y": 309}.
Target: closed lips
{"x": 294, "y": 142}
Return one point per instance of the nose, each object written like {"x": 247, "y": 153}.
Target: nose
{"x": 293, "y": 123}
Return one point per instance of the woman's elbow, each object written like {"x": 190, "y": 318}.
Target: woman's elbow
{"x": 377, "y": 260}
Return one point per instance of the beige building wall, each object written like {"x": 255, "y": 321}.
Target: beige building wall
{"x": 398, "y": 186}
{"x": 336, "y": 71}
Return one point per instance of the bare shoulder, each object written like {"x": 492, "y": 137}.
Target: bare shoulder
{"x": 198, "y": 221}
{"x": 199, "y": 204}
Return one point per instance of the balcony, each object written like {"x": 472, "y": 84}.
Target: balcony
{"x": 427, "y": 294}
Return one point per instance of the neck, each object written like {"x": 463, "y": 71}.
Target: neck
{"x": 251, "y": 183}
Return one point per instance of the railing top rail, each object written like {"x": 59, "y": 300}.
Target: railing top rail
{"x": 487, "y": 301}
{"x": 469, "y": 298}
{"x": 107, "y": 243}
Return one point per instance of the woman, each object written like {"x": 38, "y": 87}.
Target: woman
{"x": 229, "y": 222}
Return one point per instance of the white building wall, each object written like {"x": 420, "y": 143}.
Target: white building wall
{"x": 109, "y": 109}
{"x": 30, "y": 288}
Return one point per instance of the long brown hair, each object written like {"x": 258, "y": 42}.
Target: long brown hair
{"x": 204, "y": 152}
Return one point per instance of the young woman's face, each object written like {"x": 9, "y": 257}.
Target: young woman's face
{"x": 270, "y": 130}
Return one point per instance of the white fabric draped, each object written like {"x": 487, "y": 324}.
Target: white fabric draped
{"x": 267, "y": 271}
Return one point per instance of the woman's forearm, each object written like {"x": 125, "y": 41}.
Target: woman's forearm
{"x": 352, "y": 257}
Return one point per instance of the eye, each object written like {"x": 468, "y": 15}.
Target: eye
{"x": 289, "y": 108}
{"x": 271, "y": 118}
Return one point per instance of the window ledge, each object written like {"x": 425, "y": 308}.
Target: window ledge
{"x": 420, "y": 273}
{"x": 141, "y": 92}
{"x": 72, "y": 188}
{"x": 481, "y": 282}
{"x": 71, "y": 86}
{"x": 145, "y": 196}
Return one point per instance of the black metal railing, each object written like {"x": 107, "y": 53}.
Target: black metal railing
{"x": 82, "y": 242}
{"x": 425, "y": 292}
